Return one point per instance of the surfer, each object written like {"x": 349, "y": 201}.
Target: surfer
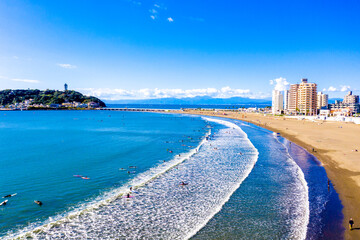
{"x": 10, "y": 195}
{"x": 38, "y": 202}
{"x": 183, "y": 183}
{"x": 3, "y": 203}
{"x": 128, "y": 195}
{"x": 351, "y": 223}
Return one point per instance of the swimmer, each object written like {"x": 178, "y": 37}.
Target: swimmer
{"x": 38, "y": 202}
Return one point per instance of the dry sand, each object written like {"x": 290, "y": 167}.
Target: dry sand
{"x": 334, "y": 144}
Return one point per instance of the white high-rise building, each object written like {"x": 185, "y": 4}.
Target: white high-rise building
{"x": 286, "y": 99}
{"x": 277, "y": 102}
{"x": 322, "y": 100}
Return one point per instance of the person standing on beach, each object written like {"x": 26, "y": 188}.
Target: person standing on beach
{"x": 351, "y": 223}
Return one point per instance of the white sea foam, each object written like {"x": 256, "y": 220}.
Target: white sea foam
{"x": 301, "y": 217}
{"x": 105, "y": 199}
{"x": 161, "y": 209}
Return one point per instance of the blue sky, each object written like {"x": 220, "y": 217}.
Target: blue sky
{"x": 146, "y": 49}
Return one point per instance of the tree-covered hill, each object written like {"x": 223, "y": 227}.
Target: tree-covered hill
{"x": 45, "y": 97}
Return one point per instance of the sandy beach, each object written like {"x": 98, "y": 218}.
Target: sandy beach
{"x": 335, "y": 144}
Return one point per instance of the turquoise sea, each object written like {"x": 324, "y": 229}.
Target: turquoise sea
{"x": 242, "y": 181}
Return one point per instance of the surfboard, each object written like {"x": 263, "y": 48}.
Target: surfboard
{"x": 10, "y": 195}
{"x": 3, "y": 203}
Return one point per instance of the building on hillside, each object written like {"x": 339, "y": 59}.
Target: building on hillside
{"x": 277, "y": 102}
{"x": 93, "y": 105}
{"x": 65, "y": 86}
{"x": 322, "y": 100}
{"x": 351, "y": 99}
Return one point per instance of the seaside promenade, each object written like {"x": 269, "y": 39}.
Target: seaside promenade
{"x": 335, "y": 144}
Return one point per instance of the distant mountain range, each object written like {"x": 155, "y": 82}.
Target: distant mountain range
{"x": 193, "y": 101}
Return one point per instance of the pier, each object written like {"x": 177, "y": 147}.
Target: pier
{"x": 134, "y": 109}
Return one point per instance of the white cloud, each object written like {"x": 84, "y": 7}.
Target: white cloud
{"x": 345, "y": 88}
{"x": 170, "y": 19}
{"x": 66, "y": 65}
{"x": 152, "y": 17}
{"x": 25, "y": 80}
{"x": 157, "y": 5}
{"x": 280, "y": 84}
{"x": 146, "y": 93}
{"x": 15, "y": 57}
{"x": 332, "y": 89}
{"x": 342, "y": 88}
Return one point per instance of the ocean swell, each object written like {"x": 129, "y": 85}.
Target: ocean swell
{"x": 160, "y": 208}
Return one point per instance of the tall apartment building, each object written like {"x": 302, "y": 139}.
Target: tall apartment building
{"x": 322, "y": 100}
{"x": 293, "y": 98}
{"x": 286, "y": 99}
{"x": 303, "y": 98}
{"x": 307, "y": 97}
{"x": 351, "y": 99}
{"x": 277, "y": 102}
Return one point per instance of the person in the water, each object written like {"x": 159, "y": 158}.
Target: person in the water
{"x": 128, "y": 195}
{"x": 38, "y": 202}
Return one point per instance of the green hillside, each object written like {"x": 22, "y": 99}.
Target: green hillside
{"x": 46, "y": 97}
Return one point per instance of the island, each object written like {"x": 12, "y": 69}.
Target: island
{"x": 34, "y": 99}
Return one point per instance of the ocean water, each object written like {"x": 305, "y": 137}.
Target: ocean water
{"x": 242, "y": 182}
{"x": 180, "y": 106}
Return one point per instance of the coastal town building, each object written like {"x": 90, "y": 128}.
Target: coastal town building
{"x": 348, "y": 107}
{"x": 307, "y": 98}
{"x": 65, "y": 86}
{"x": 286, "y": 100}
{"x": 303, "y": 98}
{"x": 277, "y": 102}
{"x": 293, "y": 98}
{"x": 322, "y": 100}
{"x": 350, "y": 98}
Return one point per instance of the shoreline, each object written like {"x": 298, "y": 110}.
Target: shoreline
{"x": 345, "y": 181}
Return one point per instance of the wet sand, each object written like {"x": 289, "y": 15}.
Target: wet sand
{"x": 333, "y": 143}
